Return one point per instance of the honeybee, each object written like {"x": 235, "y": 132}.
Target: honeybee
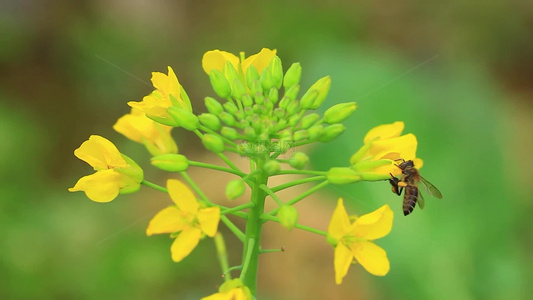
{"x": 409, "y": 181}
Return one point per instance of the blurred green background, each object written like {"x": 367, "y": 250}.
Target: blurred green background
{"x": 458, "y": 74}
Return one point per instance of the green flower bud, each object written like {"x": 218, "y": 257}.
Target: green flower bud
{"x": 273, "y": 95}
{"x": 239, "y": 115}
{"x": 331, "y": 132}
{"x": 247, "y": 101}
{"x": 184, "y": 118}
{"x": 230, "y": 73}
{"x": 282, "y": 124}
{"x": 322, "y": 86}
{"x": 249, "y": 132}
{"x": 220, "y": 83}
{"x": 210, "y": 121}
{"x": 294, "y": 119}
{"x": 293, "y": 107}
{"x": 238, "y": 89}
{"x": 339, "y": 112}
{"x": 231, "y": 108}
{"x": 309, "y": 120}
{"x": 266, "y": 79}
{"x": 213, "y": 143}
{"x": 287, "y": 134}
{"x": 301, "y": 135}
{"x": 229, "y": 133}
{"x": 279, "y": 113}
{"x": 248, "y": 111}
{"x": 292, "y": 76}
{"x": 252, "y": 77}
{"x": 227, "y": 118}
{"x": 263, "y": 136}
{"x": 374, "y": 176}
{"x": 235, "y": 188}
{"x": 272, "y": 167}
{"x": 276, "y": 70}
{"x": 288, "y": 216}
{"x": 256, "y": 88}
{"x": 213, "y": 106}
{"x": 308, "y": 98}
{"x": 298, "y": 160}
{"x": 284, "y": 102}
{"x": 316, "y": 132}
{"x": 342, "y": 175}
{"x": 170, "y": 162}
{"x": 292, "y": 92}
{"x": 257, "y": 108}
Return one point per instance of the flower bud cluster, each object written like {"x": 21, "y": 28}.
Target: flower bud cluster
{"x": 265, "y": 112}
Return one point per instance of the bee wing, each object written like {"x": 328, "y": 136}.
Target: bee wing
{"x": 421, "y": 202}
{"x": 430, "y": 188}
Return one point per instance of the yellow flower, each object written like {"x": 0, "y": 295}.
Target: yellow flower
{"x": 354, "y": 240}
{"x": 216, "y": 59}
{"x": 382, "y": 146}
{"x": 187, "y": 218}
{"x": 231, "y": 290}
{"x": 139, "y": 128}
{"x": 168, "y": 93}
{"x": 115, "y": 172}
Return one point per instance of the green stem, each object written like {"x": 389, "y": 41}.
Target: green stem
{"x": 237, "y": 208}
{"x": 215, "y": 167}
{"x": 233, "y": 269}
{"x": 271, "y": 194}
{"x": 253, "y": 231}
{"x": 236, "y": 231}
{"x": 296, "y": 182}
{"x": 272, "y": 250}
{"x": 301, "y": 196}
{"x": 228, "y": 162}
{"x": 222, "y": 255}
{"x": 302, "y": 172}
{"x": 248, "y": 258}
{"x": 299, "y": 226}
{"x": 154, "y": 186}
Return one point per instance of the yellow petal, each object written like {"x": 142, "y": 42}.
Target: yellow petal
{"x": 342, "y": 260}
{"x": 102, "y": 186}
{"x": 208, "y": 219}
{"x": 153, "y": 104}
{"x": 168, "y": 220}
{"x": 418, "y": 163}
{"x": 185, "y": 243}
{"x": 402, "y": 147}
{"x": 182, "y": 196}
{"x": 139, "y": 128}
{"x": 217, "y": 296}
{"x": 340, "y": 222}
{"x": 216, "y": 59}
{"x": 167, "y": 84}
{"x": 385, "y": 131}
{"x": 260, "y": 60}
{"x": 372, "y": 257}
{"x": 100, "y": 153}
{"x": 374, "y": 225}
